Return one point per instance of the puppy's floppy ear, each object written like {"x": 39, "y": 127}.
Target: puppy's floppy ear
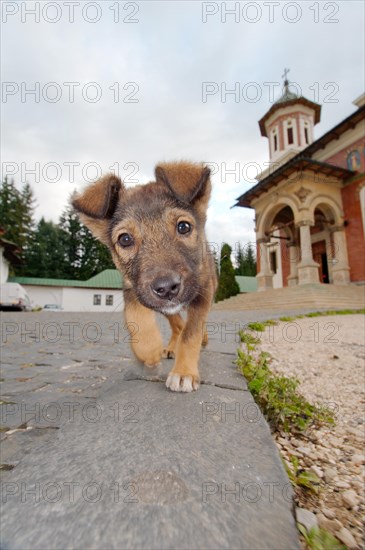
{"x": 99, "y": 199}
{"x": 189, "y": 182}
{"x": 97, "y": 204}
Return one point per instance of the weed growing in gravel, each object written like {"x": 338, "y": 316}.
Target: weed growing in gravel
{"x": 287, "y": 410}
{"x": 260, "y": 326}
{"x": 286, "y": 319}
{"x": 300, "y": 477}
{"x": 277, "y": 396}
{"x": 319, "y": 539}
{"x": 335, "y": 312}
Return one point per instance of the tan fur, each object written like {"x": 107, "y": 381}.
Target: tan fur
{"x": 177, "y": 325}
{"x": 164, "y": 269}
{"x": 146, "y": 342}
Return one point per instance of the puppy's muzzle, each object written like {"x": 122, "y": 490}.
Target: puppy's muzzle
{"x": 167, "y": 287}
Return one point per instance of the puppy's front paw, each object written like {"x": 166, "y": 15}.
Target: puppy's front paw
{"x": 152, "y": 365}
{"x": 177, "y": 382}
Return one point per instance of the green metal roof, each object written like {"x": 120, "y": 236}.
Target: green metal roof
{"x": 246, "y": 284}
{"x": 287, "y": 96}
{"x": 109, "y": 278}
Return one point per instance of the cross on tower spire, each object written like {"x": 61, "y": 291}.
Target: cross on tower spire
{"x": 286, "y": 81}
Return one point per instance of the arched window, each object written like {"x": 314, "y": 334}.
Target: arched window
{"x": 275, "y": 142}
{"x": 290, "y": 132}
{"x": 306, "y": 133}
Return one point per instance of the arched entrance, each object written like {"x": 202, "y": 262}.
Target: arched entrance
{"x": 282, "y": 234}
{"x": 322, "y": 244}
{"x": 297, "y": 249}
{"x": 329, "y": 244}
{"x": 277, "y": 247}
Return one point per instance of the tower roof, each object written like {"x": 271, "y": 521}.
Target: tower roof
{"x": 289, "y": 98}
{"x": 287, "y": 95}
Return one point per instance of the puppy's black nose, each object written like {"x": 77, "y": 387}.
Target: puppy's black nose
{"x": 167, "y": 287}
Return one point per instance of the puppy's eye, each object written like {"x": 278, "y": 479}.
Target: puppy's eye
{"x": 125, "y": 240}
{"x": 184, "y": 228}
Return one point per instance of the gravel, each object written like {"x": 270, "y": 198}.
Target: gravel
{"x": 326, "y": 354}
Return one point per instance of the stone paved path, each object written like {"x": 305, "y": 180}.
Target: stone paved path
{"x": 97, "y": 453}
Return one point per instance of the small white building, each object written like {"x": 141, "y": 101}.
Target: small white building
{"x": 8, "y": 256}
{"x": 103, "y": 292}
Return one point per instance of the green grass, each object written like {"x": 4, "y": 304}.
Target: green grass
{"x": 259, "y": 327}
{"x": 286, "y": 409}
{"x": 320, "y": 539}
{"x": 335, "y": 312}
{"x": 287, "y": 319}
{"x": 301, "y": 478}
{"x": 277, "y": 396}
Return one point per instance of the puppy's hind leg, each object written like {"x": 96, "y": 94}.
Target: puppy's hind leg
{"x": 146, "y": 340}
{"x": 177, "y": 324}
{"x": 204, "y": 337}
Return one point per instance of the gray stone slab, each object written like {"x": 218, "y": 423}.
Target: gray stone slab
{"x": 15, "y": 446}
{"x": 149, "y": 468}
{"x": 156, "y": 469}
{"x": 18, "y": 387}
{"x": 44, "y": 408}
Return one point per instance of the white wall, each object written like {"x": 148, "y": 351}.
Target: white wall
{"x": 42, "y": 295}
{"x": 277, "y": 280}
{"x": 4, "y": 267}
{"x": 74, "y": 299}
{"x": 82, "y": 299}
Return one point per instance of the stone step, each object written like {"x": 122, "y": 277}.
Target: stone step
{"x": 316, "y": 296}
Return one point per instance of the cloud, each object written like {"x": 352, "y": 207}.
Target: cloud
{"x": 151, "y": 75}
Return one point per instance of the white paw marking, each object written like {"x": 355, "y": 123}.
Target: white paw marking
{"x": 187, "y": 384}
{"x": 175, "y": 382}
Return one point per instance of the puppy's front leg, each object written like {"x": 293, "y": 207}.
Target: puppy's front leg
{"x": 146, "y": 340}
{"x": 177, "y": 324}
{"x": 185, "y": 374}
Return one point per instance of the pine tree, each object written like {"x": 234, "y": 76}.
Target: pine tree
{"x": 26, "y": 227}
{"x": 85, "y": 256}
{"x": 10, "y": 211}
{"x": 240, "y": 260}
{"x": 72, "y": 228}
{"x": 46, "y": 256}
{"x": 245, "y": 261}
{"x": 250, "y": 261}
{"x": 16, "y": 214}
{"x": 227, "y": 284}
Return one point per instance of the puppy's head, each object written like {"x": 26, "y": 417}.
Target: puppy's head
{"x": 155, "y": 231}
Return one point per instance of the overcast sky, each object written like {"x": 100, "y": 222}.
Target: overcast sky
{"x": 121, "y": 85}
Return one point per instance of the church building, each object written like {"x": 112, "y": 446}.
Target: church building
{"x": 310, "y": 203}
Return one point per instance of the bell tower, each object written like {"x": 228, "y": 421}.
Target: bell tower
{"x": 289, "y": 123}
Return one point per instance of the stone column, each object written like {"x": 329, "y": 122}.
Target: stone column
{"x": 264, "y": 278}
{"x": 340, "y": 266}
{"x": 294, "y": 255}
{"x": 307, "y": 268}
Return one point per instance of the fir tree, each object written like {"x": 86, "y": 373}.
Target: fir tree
{"x": 16, "y": 214}
{"x": 46, "y": 255}
{"x": 240, "y": 260}
{"x": 250, "y": 261}
{"x": 245, "y": 261}
{"x": 227, "y": 284}
{"x": 85, "y": 256}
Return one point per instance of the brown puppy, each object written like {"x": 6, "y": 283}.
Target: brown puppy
{"x": 156, "y": 235}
